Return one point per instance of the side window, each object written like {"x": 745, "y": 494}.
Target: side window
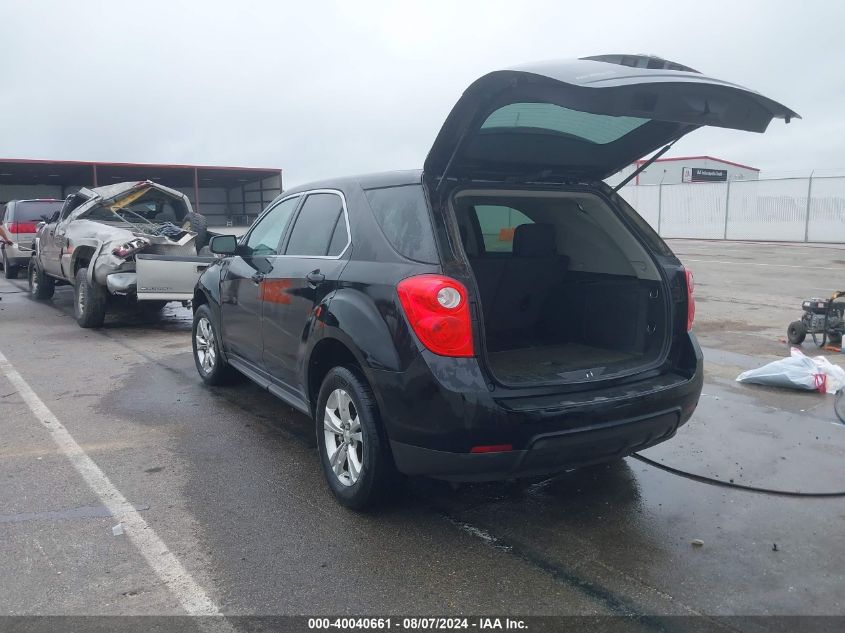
{"x": 320, "y": 227}
{"x": 498, "y": 224}
{"x": 402, "y": 213}
{"x": 340, "y": 237}
{"x": 265, "y": 237}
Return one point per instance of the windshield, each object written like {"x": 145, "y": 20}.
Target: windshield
{"x": 36, "y": 210}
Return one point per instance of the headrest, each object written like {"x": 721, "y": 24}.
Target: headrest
{"x": 534, "y": 240}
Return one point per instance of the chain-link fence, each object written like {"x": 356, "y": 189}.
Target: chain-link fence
{"x": 786, "y": 209}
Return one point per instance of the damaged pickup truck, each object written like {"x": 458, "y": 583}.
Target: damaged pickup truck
{"x": 138, "y": 240}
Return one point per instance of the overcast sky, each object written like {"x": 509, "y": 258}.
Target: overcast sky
{"x": 322, "y": 89}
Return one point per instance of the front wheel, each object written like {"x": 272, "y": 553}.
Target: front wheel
{"x": 90, "y": 301}
{"x": 41, "y": 286}
{"x": 212, "y": 367}
{"x": 353, "y": 448}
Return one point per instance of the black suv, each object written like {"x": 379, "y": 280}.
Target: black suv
{"x": 501, "y": 313}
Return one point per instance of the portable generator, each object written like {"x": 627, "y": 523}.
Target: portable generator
{"x": 822, "y": 319}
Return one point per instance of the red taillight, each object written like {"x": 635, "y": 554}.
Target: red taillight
{"x": 492, "y": 448}
{"x": 130, "y": 248}
{"x": 22, "y": 227}
{"x": 690, "y": 299}
{"x": 437, "y": 308}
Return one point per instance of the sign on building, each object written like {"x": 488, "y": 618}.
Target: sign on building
{"x": 699, "y": 174}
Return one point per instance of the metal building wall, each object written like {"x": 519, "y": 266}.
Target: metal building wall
{"x": 784, "y": 209}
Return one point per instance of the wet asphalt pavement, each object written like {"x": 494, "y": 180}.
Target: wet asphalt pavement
{"x": 229, "y": 480}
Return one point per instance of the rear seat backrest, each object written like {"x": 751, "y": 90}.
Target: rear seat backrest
{"x": 528, "y": 278}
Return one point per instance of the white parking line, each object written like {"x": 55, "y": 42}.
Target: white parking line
{"x": 166, "y": 566}
{"x": 723, "y": 261}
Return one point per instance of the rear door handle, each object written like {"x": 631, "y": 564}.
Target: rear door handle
{"x": 315, "y": 277}
{"x": 258, "y": 277}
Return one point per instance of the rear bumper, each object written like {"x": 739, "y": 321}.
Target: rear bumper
{"x": 19, "y": 254}
{"x": 546, "y": 454}
{"x": 439, "y": 409}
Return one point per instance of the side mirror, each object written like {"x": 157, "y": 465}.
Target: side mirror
{"x": 223, "y": 245}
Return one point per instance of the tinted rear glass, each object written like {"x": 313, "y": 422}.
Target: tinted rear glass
{"x": 548, "y": 117}
{"x": 402, "y": 214}
{"x": 32, "y": 210}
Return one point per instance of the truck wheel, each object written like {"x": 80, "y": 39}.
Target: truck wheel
{"x": 41, "y": 286}
{"x": 796, "y": 332}
{"x": 197, "y": 223}
{"x": 212, "y": 367}
{"x": 353, "y": 447}
{"x": 89, "y": 301}
{"x": 10, "y": 270}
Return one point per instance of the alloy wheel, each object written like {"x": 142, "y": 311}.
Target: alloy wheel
{"x": 206, "y": 352}
{"x": 344, "y": 439}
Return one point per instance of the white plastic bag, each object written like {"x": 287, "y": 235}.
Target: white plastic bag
{"x": 834, "y": 374}
{"x": 798, "y": 372}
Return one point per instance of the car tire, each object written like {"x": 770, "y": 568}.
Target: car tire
{"x": 197, "y": 223}
{"x": 89, "y": 301}
{"x": 796, "y": 332}
{"x": 9, "y": 270}
{"x": 206, "y": 343}
{"x": 41, "y": 286}
{"x": 365, "y": 475}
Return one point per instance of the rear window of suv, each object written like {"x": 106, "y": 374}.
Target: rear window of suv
{"x": 36, "y": 210}
{"x": 599, "y": 129}
{"x": 402, "y": 214}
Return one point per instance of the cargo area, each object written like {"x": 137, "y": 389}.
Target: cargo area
{"x": 568, "y": 294}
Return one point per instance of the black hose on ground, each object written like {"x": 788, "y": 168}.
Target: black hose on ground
{"x": 727, "y": 484}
